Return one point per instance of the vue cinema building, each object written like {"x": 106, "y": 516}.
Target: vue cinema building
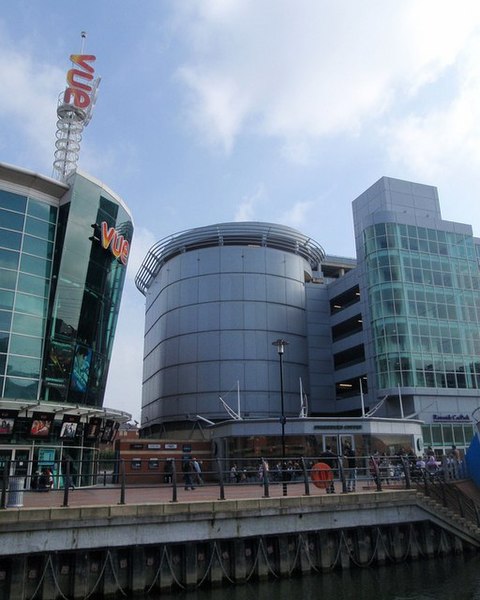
{"x": 63, "y": 251}
{"x": 394, "y": 333}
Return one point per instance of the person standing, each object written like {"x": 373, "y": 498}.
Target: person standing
{"x": 188, "y": 474}
{"x": 168, "y": 471}
{"x": 351, "y": 460}
{"x": 197, "y": 471}
{"x": 330, "y": 459}
{"x": 67, "y": 468}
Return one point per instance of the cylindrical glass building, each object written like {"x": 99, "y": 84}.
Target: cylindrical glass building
{"x": 217, "y": 298}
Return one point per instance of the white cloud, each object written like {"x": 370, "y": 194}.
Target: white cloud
{"x": 298, "y": 214}
{"x": 299, "y": 71}
{"x": 246, "y": 210}
{"x": 143, "y": 240}
{"x": 443, "y": 140}
{"x": 26, "y": 106}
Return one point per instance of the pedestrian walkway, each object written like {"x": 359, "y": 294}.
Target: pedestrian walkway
{"x": 112, "y": 495}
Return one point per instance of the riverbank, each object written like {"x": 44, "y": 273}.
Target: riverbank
{"x": 107, "y": 549}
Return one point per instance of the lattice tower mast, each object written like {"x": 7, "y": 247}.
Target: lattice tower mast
{"x": 74, "y": 111}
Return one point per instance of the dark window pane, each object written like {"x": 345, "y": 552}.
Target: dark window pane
{"x": 42, "y": 210}
{"x": 37, "y": 246}
{"x": 3, "y": 341}
{"x": 11, "y": 220}
{"x": 24, "y": 389}
{"x": 6, "y": 299}
{"x": 21, "y": 366}
{"x": 36, "y": 266}
{"x": 26, "y": 345}
{"x": 41, "y": 229}
{"x": 7, "y": 279}
{"x": 10, "y": 239}
{"x": 12, "y": 201}
{"x": 5, "y": 320}
{"x": 32, "y": 284}
{"x": 8, "y": 260}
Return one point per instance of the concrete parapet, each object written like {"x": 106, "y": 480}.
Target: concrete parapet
{"x": 160, "y": 546}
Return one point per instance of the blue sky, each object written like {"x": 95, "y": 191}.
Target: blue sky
{"x": 268, "y": 110}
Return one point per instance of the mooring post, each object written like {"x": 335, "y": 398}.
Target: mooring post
{"x": 66, "y": 482}
{"x": 406, "y": 470}
{"x": 341, "y": 471}
{"x": 266, "y": 490}
{"x": 174, "y": 481}
{"x": 221, "y": 483}
{"x": 122, "y": 481}
{"x": 376, "y": 472}
{"x": 6, "y": 470}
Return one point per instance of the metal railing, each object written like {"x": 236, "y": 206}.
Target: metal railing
{"x": 446, "y": 493}
{"x": 370, "y": 473}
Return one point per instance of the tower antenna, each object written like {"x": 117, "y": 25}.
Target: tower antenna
{"x": 74, "y": 111}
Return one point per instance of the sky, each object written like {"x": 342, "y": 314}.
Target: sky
{"x": 213, "y": 111}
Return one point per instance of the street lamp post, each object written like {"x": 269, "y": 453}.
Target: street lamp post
{"x": 280, "y": 344}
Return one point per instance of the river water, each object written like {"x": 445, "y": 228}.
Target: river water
{"x": 449, "y": 578}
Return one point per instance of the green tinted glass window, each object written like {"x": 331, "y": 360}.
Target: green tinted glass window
{"x": 3, "y": 362}
{"x": 37, "y": 246}
{"x": 458, "y": 434}
{"x": 26, "y": 345}
{"x": 21, "y": 366}
{"x": 35, "y": 266}
{"x": 6, "y": 299}
{"x": 12, "y": 201}
{"x": 27, "y": 324}
{"x": 8, "y": 259}
{"x": 29, "y": 304}
{"x": 25, "y": 389}
{"x": 447, "y": 434}
{"x": 11, "y": 220}
{"x": 42, "y": 210}
{"x": 4, "y": 337}
{"x": 437, "y": 434}
{"x": 7, "y": 279}
{"x": 10, "y": 239}
{"x": 32, "y": 284}
{"x": 40, "y": 229}
{"x": 5, "y": 320}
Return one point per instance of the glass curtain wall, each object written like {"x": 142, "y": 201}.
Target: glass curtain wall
{"x": 86, "y": 298}
{"x": 424, "y": 290}
{"x": 27, "y": 236}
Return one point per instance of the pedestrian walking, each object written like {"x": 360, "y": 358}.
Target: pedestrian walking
{"x": 351, "y": 463}
{"x": 330, "y": 459}
{"x": 188, "y": 474}
{"x": 197, "y": 471}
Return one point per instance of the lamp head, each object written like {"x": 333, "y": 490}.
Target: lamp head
{"x": 280, "y": 344}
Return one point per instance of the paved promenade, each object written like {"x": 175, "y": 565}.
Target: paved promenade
{"x": 111, "y": 495}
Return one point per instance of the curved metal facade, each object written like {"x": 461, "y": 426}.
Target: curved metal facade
{"x": 217, "y": 297}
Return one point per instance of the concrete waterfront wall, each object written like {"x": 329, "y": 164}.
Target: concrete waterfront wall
{"x": 100, "y": 551}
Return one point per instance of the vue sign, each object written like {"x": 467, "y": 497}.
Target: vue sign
{"x": 118, "y": 245}
{"x": 78, "y": 78}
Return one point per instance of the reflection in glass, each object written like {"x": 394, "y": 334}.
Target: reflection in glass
{"x": 81, "y": 369}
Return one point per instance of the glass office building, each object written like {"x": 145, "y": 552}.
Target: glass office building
{"x": 63, "y": 253}
{"x": 424, "y": 293}
{"x": 419, "y": 277}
